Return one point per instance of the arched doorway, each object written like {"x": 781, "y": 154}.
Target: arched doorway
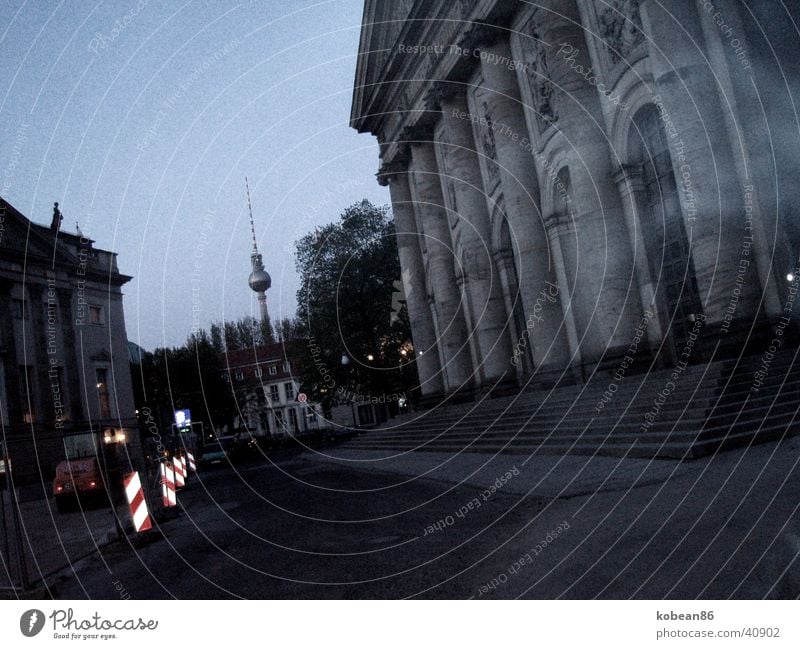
{"x": 663, "y": 229}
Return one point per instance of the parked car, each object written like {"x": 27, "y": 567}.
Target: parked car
{"x": 217, "y": 450}
{"x": 78, "y": 482}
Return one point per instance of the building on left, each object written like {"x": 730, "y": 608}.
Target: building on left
{"x": 64, "y": 361}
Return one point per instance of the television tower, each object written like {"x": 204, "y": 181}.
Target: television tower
{"x": 259, "y": 281}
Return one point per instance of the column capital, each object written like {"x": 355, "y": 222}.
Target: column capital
{"x": 416, "y": 133}
{"x": 397, "y": 165}
{"x": 441, "y": 91}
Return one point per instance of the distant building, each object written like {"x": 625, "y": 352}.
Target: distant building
{"x": 64, "y": 360}
{"x": 265, "y": 382}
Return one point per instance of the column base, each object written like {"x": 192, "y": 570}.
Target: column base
{"x": 507, "y": 386}
{"x": 548, "y": 377}
{"x": 614, "y": 359}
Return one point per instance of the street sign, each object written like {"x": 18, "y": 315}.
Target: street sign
{"x": 183, "y": 419}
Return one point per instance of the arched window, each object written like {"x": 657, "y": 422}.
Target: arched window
{"x": 508, "y": 261}
{"x": 661, "y": 219}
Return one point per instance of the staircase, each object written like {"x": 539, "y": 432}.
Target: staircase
{"x": 665, "y": 413}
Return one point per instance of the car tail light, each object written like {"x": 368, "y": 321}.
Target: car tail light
{"x": 92, "y": 484}
{"x": 59, "y": 488}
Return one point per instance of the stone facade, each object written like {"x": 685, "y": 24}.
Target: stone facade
{"x": 580, "y": 182}
{"x": 64, "y": 360}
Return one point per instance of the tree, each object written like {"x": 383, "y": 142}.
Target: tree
{"x": 290, "y": 329}
{"x": 189, "y": 376}
{"x": 245, "y": 333}
{"x": 350, "y": 279}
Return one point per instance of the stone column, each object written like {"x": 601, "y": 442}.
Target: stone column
{"x": 426, "y": 192}
{"x": 757, "y": 152}
{"x": 520, "y": 187}
{"x": 704, "y": 166}
{"x": 474, "y": 352}
{"x": 413, "y": 272}
{"x": 630, "y": 187}
{"x": 492, "y": 340}
{"x": 605, "y": 298}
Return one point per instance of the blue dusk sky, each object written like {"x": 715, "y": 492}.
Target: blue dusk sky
{"x": 142, "y": 119}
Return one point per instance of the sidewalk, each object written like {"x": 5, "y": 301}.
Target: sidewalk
{"x": 565, "y": 476}
{"x": 53, "y": 541}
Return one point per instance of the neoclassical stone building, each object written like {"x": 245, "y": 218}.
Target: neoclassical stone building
{"x": 64, "y": 360}
{"x": 579, "y": 184}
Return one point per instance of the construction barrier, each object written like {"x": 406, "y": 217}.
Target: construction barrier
{"x": 135, "y": 494}
{"x": 168, "y": 484}
{"x": 192, "y": 463}
{"x": 180, "y": 474}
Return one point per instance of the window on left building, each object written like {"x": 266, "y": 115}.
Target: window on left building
{"x": 18, "y": 309}
{"x": 96, "y": 315}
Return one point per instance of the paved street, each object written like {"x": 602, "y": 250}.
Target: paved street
{"x": 303, "y": 525}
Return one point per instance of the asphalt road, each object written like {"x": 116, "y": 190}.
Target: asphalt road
{"x": 302, "y": 527}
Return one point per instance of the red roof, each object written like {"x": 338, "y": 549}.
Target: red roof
{"x": 246, "y": 360}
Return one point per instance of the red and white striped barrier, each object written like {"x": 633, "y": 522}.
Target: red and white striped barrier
{"x": 135, "y": 494}
{"x": 192, "y": 463}
{"x": 180, "y": 472}
{"x": 168, "y": 484}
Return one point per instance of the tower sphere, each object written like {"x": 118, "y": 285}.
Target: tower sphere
{"x": 260, "y": 280}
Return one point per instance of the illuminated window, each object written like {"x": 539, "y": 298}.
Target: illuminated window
{"x": 27, "y": 390}
{"x": 102, "y": 392}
